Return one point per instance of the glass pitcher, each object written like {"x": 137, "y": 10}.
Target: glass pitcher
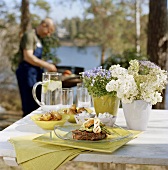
{"x": 51, "y": 91}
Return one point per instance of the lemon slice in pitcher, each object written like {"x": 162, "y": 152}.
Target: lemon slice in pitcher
{"x": 45, "y": 87}
{"x": 53, "y": 85}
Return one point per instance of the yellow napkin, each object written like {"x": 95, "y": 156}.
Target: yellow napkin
{"x": 37, "y": 156}
{"x": 39, "y": 152}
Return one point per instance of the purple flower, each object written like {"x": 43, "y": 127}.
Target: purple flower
{"x": 108, "y": 74}
{"x": 148, "y": 64}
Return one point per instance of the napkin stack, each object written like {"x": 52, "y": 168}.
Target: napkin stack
{"x": 32, "y": 155}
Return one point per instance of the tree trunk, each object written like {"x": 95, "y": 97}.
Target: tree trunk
{"x": 138, "y": 25}
{"x": 25, "y": 17}
{"x": 102, "y": 55}
{"x": 157, "y": 38}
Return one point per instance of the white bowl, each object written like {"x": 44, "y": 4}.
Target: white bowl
{"x": 108, "y": 121}
{"x": 81, "y": 118}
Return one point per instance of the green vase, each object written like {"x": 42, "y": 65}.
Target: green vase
{"x": 106, "y": 103}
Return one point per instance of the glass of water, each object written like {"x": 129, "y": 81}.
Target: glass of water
{"x": 83, "y": 97}
{"x": 67, "y": 97}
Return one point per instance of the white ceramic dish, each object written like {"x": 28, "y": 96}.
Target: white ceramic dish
{"x": 80, "y": 118}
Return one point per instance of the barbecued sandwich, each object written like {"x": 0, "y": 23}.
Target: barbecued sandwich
{"x": 92, "y": 129}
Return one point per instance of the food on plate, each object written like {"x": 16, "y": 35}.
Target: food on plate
{"x": 92, "y": 129}
{"x": 70, "y": 111}
{"x": 80, "y": 110}
{"x": 67, "y": 73}
{"x": 49, "y": 120}
{"x": 73, "y": 107}
{"x": 50, "y": 116}
{"x": 73, "y": 110}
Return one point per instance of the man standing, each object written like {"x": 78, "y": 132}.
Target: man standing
{"x": 31, "y": 64}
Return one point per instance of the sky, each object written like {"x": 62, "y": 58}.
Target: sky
{"x": 69, "y": 10}
{"x": 61, "y": 11}
{"x": 58, "y": 11}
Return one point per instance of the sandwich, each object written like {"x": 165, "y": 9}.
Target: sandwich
{"x": 92, "y": 129}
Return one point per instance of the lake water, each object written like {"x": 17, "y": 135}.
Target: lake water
{"x": 88, "y": 58}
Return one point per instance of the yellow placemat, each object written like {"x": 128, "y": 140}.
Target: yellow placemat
{"x": 107, "y": 147}
{"x": 40, "y": 152}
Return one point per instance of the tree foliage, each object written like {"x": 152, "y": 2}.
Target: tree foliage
{"x": 108, "y": 24}
{"x": 43, "y": 5}
{"x": 124, "y": 58}
{"x": 8, "y": 38}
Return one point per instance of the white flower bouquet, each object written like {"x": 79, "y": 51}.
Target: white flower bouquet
{"x": 143, "y": 80}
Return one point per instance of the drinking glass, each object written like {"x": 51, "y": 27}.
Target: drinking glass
{"x": 67, "y": 97}
{"x": 50, "y": 94}
{"x": 83, "y": 97}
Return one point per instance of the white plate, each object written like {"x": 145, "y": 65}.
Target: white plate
{"x": 117, "y": 133}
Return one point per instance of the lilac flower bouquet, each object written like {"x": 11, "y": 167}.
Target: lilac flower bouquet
{"x": 95, "y": 81}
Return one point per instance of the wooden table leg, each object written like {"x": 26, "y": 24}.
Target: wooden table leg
{"x": 120, "y": 167}
{"x": 108, "y": 166}
{"x": 100, "y": 166}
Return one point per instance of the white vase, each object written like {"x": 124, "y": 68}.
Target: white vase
{"x": 137, "y": 114}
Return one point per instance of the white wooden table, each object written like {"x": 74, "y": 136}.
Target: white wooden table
{"x": 150, "y": 148}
